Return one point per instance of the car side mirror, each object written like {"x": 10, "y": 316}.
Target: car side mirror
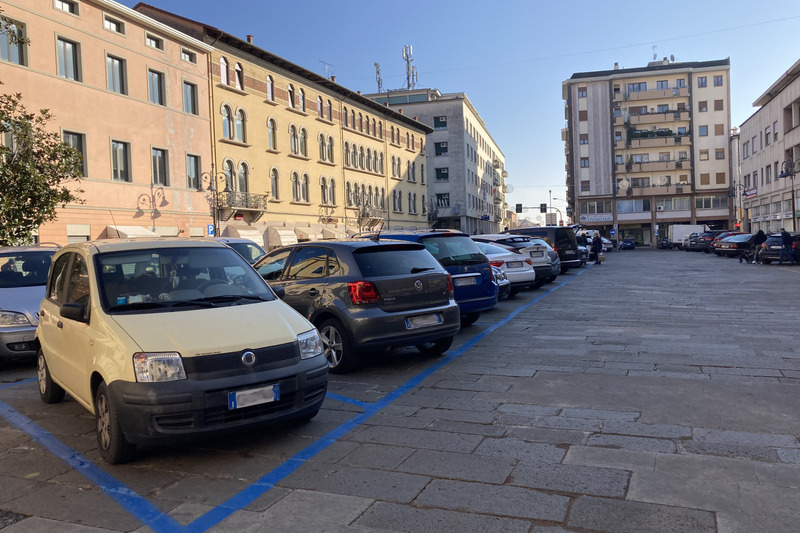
{"x": 74, "y": 311}
{"x": 279, "y": 291}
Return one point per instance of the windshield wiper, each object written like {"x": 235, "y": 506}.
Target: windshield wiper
{"x": 226, "y": 298}
{"x": 415, "y": 270}
{"x": 138, "y": 305}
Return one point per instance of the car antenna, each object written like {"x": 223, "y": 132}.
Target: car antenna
{"x": 377, "y": 236}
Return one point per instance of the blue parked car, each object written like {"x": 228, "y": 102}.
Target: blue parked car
{"x": 475, "y": 290}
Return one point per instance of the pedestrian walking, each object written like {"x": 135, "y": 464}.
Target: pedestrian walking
{"x": 597, "y": 248}
{"x": 758, "y": 240}
{"x": 786, "y": 246}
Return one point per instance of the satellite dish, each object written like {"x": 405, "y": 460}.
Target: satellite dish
{"x": 509, "y": 188}
{"x": 624, "y": 184}
{"x": 661, "y": 180}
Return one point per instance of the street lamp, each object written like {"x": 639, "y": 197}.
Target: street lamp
{"x": 788, "y": 170}
{"x": 213, "y": 188}
{"x": 735, "y": 192}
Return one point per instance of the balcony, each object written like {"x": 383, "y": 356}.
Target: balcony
{"x": 653, "y": 166}
{"x": 251, "y": 206}
{"x": 659, "y": 118}
{"x": 652, "y": 94}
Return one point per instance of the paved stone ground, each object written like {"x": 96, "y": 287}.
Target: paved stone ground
{"x": 658, "y": 392}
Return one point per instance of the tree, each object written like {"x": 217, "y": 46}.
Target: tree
{"x": 37, "y": 171}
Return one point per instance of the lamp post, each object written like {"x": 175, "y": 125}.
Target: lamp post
{"x": 213, "y": 188}
{"x": 736, "y": 193}
{"x": 788, "y": 170}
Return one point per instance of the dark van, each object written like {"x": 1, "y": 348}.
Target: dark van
{"x": 560, "y": 238}
{"x": 475, "y": 290}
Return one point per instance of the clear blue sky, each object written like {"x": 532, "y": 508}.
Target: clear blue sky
{"x": 510, "y": 57}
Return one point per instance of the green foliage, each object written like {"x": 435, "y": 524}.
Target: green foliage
{"x": 38, "y": 172}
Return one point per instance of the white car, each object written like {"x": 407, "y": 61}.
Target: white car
{"x": 537, "y": 249}
{"x": 518, "y": 267}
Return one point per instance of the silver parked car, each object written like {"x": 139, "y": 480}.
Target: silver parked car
{"x": 23, "y": 276}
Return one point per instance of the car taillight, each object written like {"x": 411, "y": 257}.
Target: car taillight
{"x": 516, "y": 251}
{"x": 528, "y": 260}
{"x": 450, "y": 287}
{"x": 497, "y": 264}
{"x": 363, "y": 292}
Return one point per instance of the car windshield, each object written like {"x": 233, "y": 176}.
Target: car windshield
{"x": 177, "y": 278}
{"x": 250, "y": 251}
{"x": 454, "y": 250}
{"x": 24, "y": 269}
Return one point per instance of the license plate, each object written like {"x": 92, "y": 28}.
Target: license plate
{"x": 434, "y": 319}
{"x": 537, "y": 254}
{"x": 460, "y": 282}
{"x": 774, "y": 247}
{"x": 246, "y": 398}
{"x": 514, "y": 264}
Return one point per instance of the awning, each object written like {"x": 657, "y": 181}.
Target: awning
{"x": 125, "y": 232}
{"x": 280, "y": 237}
{"x": 308, "y": 234}
{"x": 255, "y": 235}
{"x": 334, "y": 233}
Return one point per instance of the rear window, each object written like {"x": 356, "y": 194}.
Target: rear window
{"x": 454, "y": 250}
{"x": 488, "y": 248}
{"x": 24, "y": 269}
{"x": 394, "y": 261}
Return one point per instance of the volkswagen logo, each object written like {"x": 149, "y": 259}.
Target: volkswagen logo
{"x": 418, "y": 285}
{"x": 249, "y": 358}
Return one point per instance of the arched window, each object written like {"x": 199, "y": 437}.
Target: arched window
{"x": 408, "y": 141}
{"x": 323, "y": 190}
{"x": 238, "y": 73}
{"x": 227, "y": 127}
{"x": 409, "y": 176}
{"x": 320, "y": 111}
{"x": 295, "y": 187}
{"x": 367, "y": 119}
{"x": 348, "y": 194}
{"x": 301, "y": 99}
{"x": 329, "y": 111}
{"x": 383, "y": 198}
{"x": 380, "y": 163}
{"x": 392, "y": 133}
{"x": 272, "y": 126}
{"x": 355, "y": 156}
{"x": 270, "y": 89}
{"x": 399, "y": 172}
{"x": 375, "y": 161}
{"x": 361, "y": 158}
{"x": 293, "y": 141}
{"x": 346, "y": 154}
{"x": 227, "y": 169}
{"x": 413, "y": 175}
{"x": 368, "y": 197}
{"x": 290, "y": 91}
{"x": 394, "y": 167}
{"x": 413, "y": 143}
{"x": 356, "y": 196}
{"x": 410, "y": 208}
{"x": 345, "y": 117}
{"x": 332, "y": 191}
{"x": 424, "y": 205}
{"x": 380, "y": 130}
{"x": 377, "y": 199}
{"x": 304, "y": 188}
{"x": 330, "y": 149}
{"x": 303, "y": 142}
{"x": 240, "y": 126}
{"x": 363, "y": 198}
{"x": 322, "y": 151}
{"x": 273, "y": 183}
{"x": 400, "y": 201}
{"x": 223, "y": 71}
{"x": 244, "y": 174}
{"x": 369, "y": 159}
{"x": 353, "y": 118}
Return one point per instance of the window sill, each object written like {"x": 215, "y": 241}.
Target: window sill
{"x": 234, "y": 143}
{"x": 270, "y": 102}
{"x": 298, "y": 202}
{"x": 326, "y": 163}
{"x": 325, "y": 121}
{"x": 232, "y": 89}
{"x": 275, "y": 201}
{"x": 271, "y": 151}
{"x": 362, "y": 134}
{"x": 297, "y": 111}
{"x": 298, "y": 156}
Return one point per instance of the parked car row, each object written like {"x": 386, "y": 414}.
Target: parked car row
{"x": 735, "y": 244}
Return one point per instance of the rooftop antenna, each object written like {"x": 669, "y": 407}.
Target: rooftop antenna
{"x": 655, "y": 54}
{"x": 378, "y": 76}
{"x": 671, "y": 58}
{"x": 327, "y": 68}
{"x": 411, "y": 73}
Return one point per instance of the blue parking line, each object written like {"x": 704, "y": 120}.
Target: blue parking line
{"x": 160, "y": 522}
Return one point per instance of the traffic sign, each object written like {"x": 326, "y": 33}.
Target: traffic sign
{"x": 211, "y": 230}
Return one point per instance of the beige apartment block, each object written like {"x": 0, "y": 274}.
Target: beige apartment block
{"x": 649, "y": 147}
{"x": 131, "y": 95}
{"x": 770, "y": 157}
{"x": 297, "y": 156}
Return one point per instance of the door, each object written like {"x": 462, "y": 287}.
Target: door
{"x": 305, "y": 279}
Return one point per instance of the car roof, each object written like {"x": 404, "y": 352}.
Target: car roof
{"x": 358, "y": 243}
{"x": 121, "y": 245}
{"x": 422, "y": 232}
{"x": 48, "y": 247}
{"x": 231, "y": 239}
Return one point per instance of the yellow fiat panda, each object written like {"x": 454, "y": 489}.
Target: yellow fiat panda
{"x": 172, "y": 338}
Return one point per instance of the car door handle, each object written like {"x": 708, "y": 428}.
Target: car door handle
{"x": 313, "y": 292}
{"x": 60, "y": 324}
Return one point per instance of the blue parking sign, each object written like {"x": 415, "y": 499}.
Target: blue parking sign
{"x": 211, "y": 230}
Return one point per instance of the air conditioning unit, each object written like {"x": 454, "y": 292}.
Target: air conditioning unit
{"x": 659, "y": 208}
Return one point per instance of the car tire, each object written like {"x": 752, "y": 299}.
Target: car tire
{"x": 514, "y": 291}
{"x": 469, "y": 319}
{"x": 49, "y": 391}
{"x": 766, "y": 261}
{"x": 114, "y": 447}
{"x": 338, "y": 349}
{"x": 551, "y": 279}
{"x": 539, "y": 283}
{"x": 435, "y": 348}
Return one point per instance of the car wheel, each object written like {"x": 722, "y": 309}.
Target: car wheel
{"x": 514, "y": 291}
{"x": 469, "y": 319}
{"x": 435, "y": 348}
{"x": 766, "y": 261}
{"x": 114, "y": 447}
{"x": 539, "y": 283}
{"x": 337, "y": 347}
{"x": 551, "y": 279}
{"x": 49, "y": 391}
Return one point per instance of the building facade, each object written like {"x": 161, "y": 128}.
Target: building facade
{"x": 648, "y": 147}
{"x": 297, "y": 156}
{"x": 131, "y": 95}
{"x": 466, "y": 169}
{"x": 770, "y": 157}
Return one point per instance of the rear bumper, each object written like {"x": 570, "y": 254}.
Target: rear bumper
{"x": 372, "y": 328}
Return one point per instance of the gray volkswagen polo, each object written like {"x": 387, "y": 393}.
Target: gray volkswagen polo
{"x": 365, "y": 295}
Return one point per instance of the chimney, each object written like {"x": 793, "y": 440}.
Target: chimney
{"x": 333, "y": 78}
{"x": 250, "y": 39}
{"x": 359, "y": 92}
{"x": 616, "y": 65}
{"x": 400, "y": 111}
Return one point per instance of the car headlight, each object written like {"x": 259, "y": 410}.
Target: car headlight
{"x": 10, "y": 319}
{"x": 158, "y": 366}
{"x": 310, "y": 344}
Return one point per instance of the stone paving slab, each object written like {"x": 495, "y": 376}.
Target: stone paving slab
{"x": 466, "y": 467}
{"x": 572, "y": 478}
{"x": 622, "y": 516}
{"x": 401, "y": 518}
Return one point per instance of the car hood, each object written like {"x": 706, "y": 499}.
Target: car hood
{"x": 23, "y": 300}
{"x": 216, "y": 330}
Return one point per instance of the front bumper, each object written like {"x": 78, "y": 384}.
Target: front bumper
{"x": 18, "y": 342}
{"x": 170, "y": 411}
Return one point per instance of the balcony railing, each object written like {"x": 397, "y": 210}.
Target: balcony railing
{"x": 651, "y": 94}
{"x": 653, "y": 166}
{"x": 243, "y": 200}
